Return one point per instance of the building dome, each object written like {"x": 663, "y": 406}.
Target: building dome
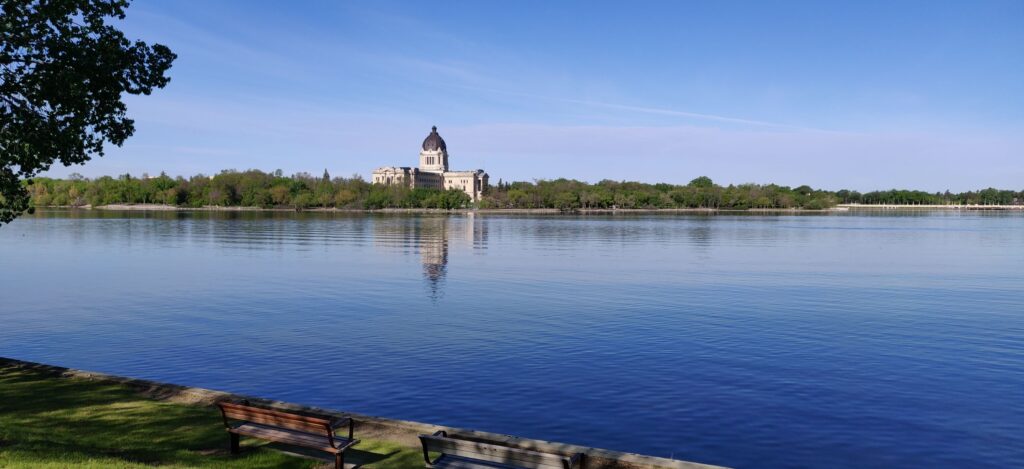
{"x": 434, "y": 142}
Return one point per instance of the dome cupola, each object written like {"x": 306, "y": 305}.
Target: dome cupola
{"x": 434, "y": 142}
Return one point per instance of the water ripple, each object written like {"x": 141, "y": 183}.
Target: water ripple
{"x": 750, "y": 341}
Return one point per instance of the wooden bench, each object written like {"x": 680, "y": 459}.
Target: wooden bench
{"x": 282, "y": 427}
{"x": 466, "y": 454}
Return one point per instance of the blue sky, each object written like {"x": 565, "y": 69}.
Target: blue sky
{"x": 863, "y": 95}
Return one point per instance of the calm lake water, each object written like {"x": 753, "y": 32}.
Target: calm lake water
{"x": 842, "y": 340}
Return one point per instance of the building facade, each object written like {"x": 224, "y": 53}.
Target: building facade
{"x": 433, "y": 171}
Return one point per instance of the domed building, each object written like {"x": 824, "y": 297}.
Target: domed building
{"x": 433, "y": 171}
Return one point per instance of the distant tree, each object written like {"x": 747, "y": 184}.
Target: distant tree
{"x": 325, "y": 194}
{"x": 566, "y": 201}
{"x": 63, "y": 71}
{"x": 280, "y": 195}
{"x": 702, "y": 182}
{"x": 303, "y": 200}
{"x": 344, "y": 197}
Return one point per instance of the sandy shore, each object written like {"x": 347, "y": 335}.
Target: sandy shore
{"x": 535, "y": 211}
{"x": 927, "y": 207}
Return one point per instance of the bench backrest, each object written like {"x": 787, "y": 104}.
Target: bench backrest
{"x": 275, "y": 418}
{"x": 494, "y": 453}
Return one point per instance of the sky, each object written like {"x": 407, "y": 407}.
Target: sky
{"x": 860, "y": 95}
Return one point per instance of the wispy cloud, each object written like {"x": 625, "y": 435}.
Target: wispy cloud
{"x": 700, "y": 116}
{"x": 687, "y": 114}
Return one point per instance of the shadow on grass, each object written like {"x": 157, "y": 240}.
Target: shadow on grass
{"x": 47, "y": 420}
{"x": 353, "y": 456}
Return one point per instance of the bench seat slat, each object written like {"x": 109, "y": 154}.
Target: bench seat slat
{"x": 498, "y": 459}
{"x": 279, "y": 419}
{"x": 281, "y": 435}
{"x": 259, "y": 410}
{"x": 281, "y": 422}
{"x": 448, "y": 461}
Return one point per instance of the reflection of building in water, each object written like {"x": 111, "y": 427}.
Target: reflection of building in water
{"x": 432, "y": 238}
{"x": 433, "y": 242}
{"x": 476, "y": 231}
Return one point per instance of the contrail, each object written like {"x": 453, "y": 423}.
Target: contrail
{"x": 670, "y": 112}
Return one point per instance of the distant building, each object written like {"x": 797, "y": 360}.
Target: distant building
{"x": 433, "y": 171}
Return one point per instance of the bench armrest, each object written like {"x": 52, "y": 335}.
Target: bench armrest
{"x": 351, "y": 443}
{"x": 342, "y": 422}
{"x": 426, "y": 454}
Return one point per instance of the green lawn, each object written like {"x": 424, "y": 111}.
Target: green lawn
{"x": 51, "y": 422}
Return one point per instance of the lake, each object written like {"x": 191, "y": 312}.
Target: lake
{"x": 839, "y": 340}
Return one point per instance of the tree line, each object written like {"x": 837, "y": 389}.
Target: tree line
{"x": 701, "y": 192}
{"x": 254, "y": 188}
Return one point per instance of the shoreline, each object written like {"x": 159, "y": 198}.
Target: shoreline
{"x": 541, "y": 211}
{"x": 553, "y": 211}
{"x": 928, "y": 207}
{"x": 400, "y": 432}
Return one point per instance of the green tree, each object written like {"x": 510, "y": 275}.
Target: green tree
{"x": 344, "y": 197}
{"x": 280, "y": 195}
{"x": 702, "y": 182}
{"x": 63, "y": 71}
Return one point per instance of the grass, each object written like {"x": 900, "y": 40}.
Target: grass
{"x": 52, "y": 422}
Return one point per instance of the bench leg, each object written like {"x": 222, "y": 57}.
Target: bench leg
{"x": 234, "y": 443}
{"x": 339, "y": 461}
